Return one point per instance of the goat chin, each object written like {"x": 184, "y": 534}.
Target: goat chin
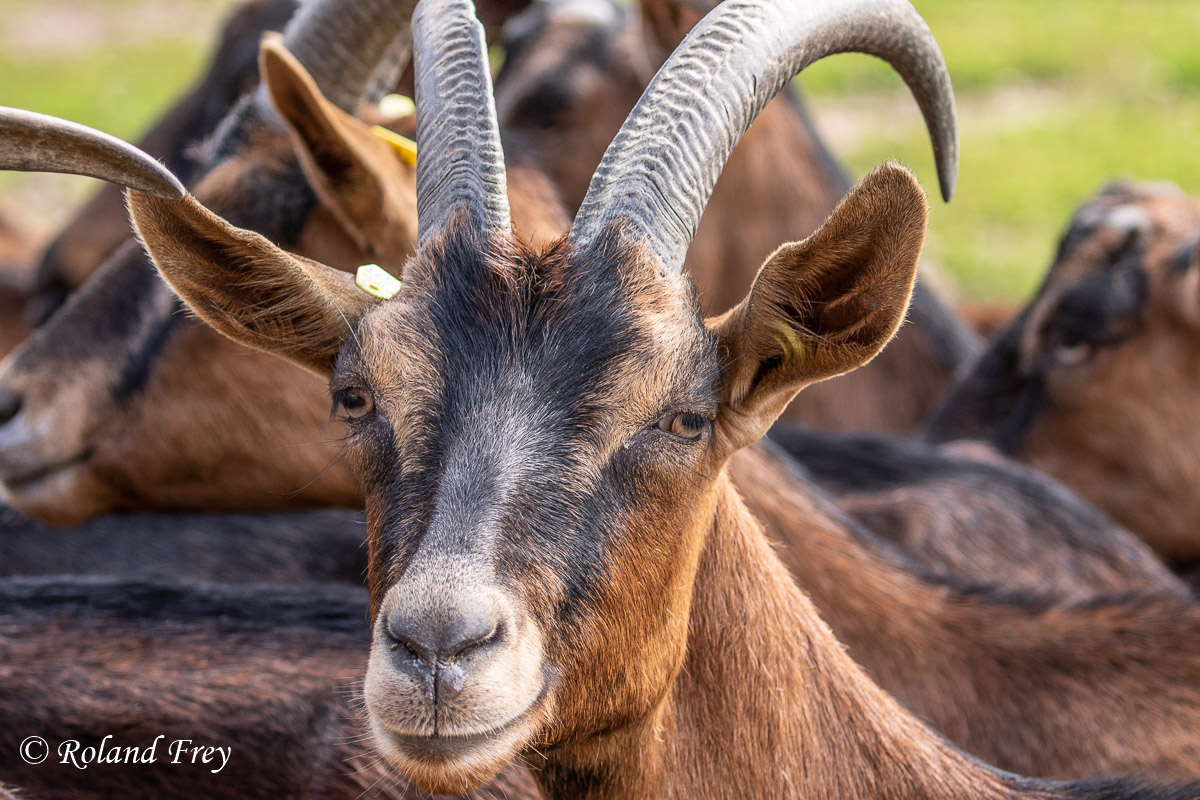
{"x": 457, "y": 764}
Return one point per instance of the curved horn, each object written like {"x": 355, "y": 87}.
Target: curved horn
{"x": 342, "y": 43}
{"x": 659, "y": 171}
{"x": 459, "y": 160}
{"x": 33, "y": 142}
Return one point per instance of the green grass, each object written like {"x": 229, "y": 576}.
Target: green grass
{"x": 83, "y": 88}
{"x": 1055, "y": 98}
{"x": 119, "y": 88}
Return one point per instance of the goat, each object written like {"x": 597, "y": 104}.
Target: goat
{"x": 102, "y": 224}
{"x": 269, "y": 672}
{"x": 977, "y": 516}
{"x": 572, "y": 71}
{"x": 557, "y": 458}
{"x": 298, "y": 547}
{"x": 1094, "y": 381}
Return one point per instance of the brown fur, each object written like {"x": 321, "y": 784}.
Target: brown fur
{"x": 988, "y": 319}
{"x": 16, "y": 258}
{"x": 963, "y": 510}
{"x": 1046, "y": 689}
{"x": 13, "y": 329}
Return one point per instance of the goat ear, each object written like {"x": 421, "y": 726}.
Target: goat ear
{"x": 246, "y": 287}
{"x": 824, "y": 306}
{"x": 356, "y": 175}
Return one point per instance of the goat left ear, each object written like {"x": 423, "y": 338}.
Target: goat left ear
{"x": 357, "y": 176}
{"x": 246, "y": 287}
{"x": 823, "y": 306}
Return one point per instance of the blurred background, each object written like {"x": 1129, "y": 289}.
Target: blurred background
{"x": 1055, "y": 98}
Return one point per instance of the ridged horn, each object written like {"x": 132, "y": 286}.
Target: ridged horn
{"x": 32, "y": 142}
{"x": 459, "y": 160}
{"x": 659, "y": 171}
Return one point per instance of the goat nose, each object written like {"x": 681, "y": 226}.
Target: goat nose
{"x": 436, "y": 645}
{"x": 10, "y": 406}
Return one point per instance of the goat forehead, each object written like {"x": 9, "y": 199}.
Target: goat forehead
{"x": 513, "y": 365}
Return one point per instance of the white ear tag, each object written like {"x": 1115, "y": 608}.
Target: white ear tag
{"x": 377, "y": 282}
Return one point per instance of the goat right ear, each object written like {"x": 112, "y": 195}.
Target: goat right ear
{"x": 246, "y": 287}
{"x": 356, "y": 175}
{"x": 823, "y": 306}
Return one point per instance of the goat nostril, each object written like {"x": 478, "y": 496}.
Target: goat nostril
{"x": 407, "y": 648}
{"x": 10, "y": 406}
{"x": 474, "y": 642}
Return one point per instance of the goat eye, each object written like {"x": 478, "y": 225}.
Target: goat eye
{"x": 356, "y": 402}
{"x": 685, "y": 426}
{"x": 1072, "y": 354}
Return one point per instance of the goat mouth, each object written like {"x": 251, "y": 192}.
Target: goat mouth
{"x": 440, "y": 748}
{"x": 24, "y": 480}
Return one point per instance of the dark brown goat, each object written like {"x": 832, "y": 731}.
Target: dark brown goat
{"x": 574, "y": 68}
{"x": 977, "y": 516}
{"x": 298, "y": 547}
{"x": 561, "y": 451}
{"x": 270, "y": 673}
{"x": 1096, "y": 381}
{"x": 102, "y": 225}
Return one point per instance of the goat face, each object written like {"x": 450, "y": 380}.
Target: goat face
{"x": 1094, "y": 381}
{"x": 536, "y": 442}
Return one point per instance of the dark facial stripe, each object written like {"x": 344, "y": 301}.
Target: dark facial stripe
{"x": 494, "y": 453}
{"x": 139, "y": 364}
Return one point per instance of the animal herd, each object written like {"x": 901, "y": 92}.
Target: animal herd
{"x": 677, "y": 483}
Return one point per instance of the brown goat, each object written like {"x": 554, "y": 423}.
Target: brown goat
{"x": 1096, "y": 380}
{"x": 573, "y": 70}
{"x": 546, "y": 484}
{"x": 271, "y": 674}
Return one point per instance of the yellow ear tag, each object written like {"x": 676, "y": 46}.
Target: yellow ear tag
{"x": 377, "y": 282}
{"x": 405, "y": 147}
{"x": 396, "y": 106}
